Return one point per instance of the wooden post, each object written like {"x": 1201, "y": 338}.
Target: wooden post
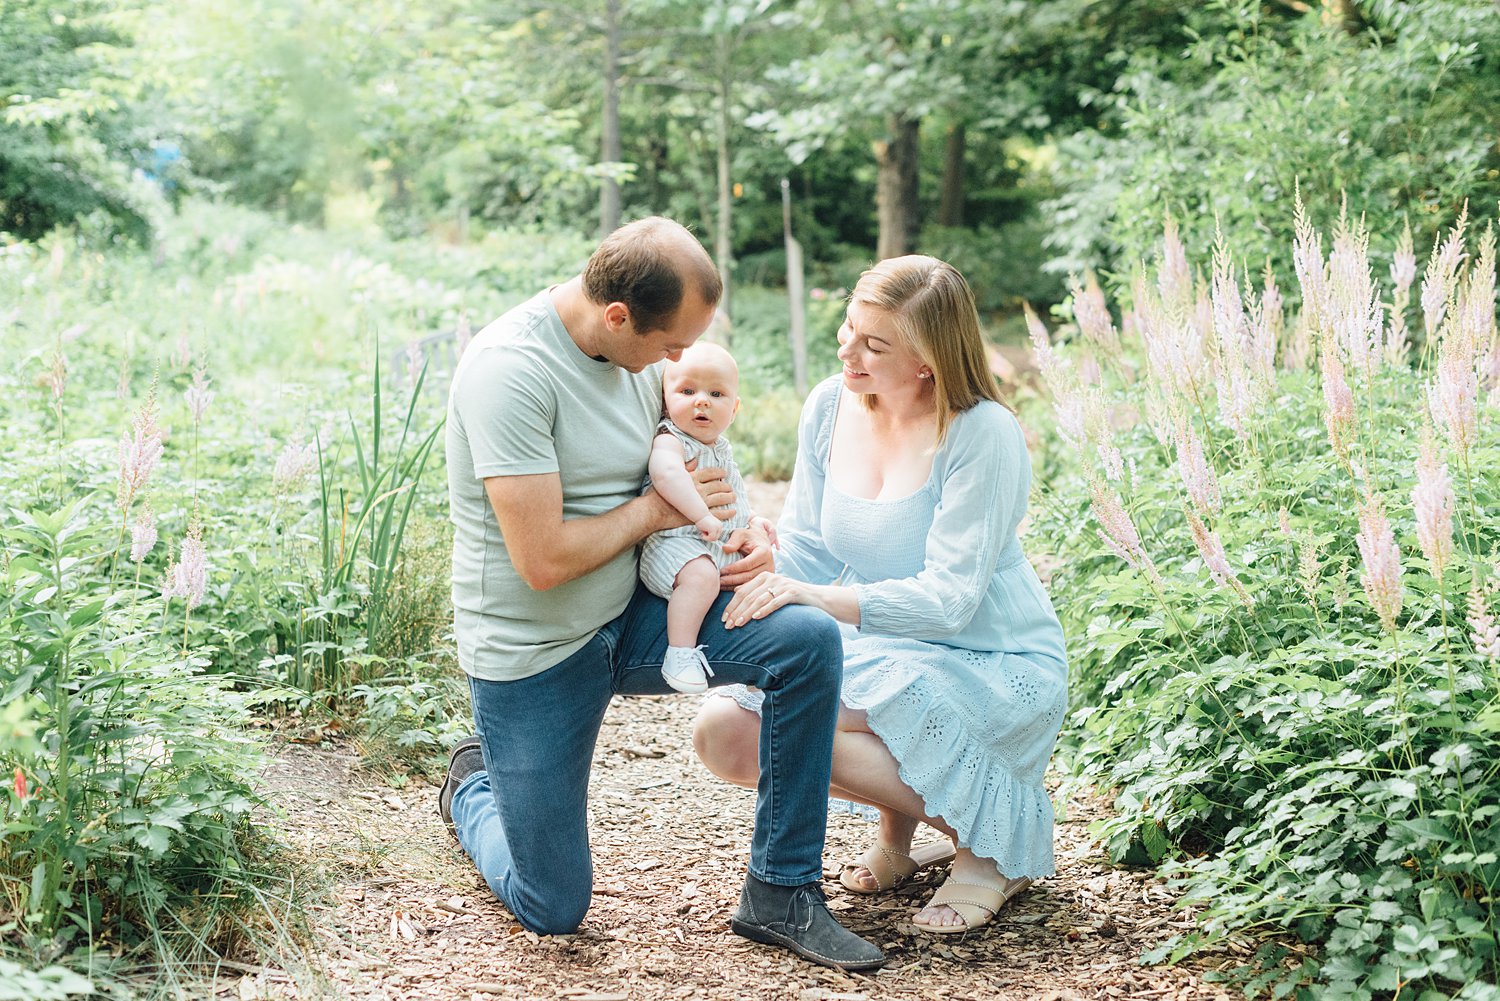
{"x": 609, "y": 125}
{"x": 796, "y": 294}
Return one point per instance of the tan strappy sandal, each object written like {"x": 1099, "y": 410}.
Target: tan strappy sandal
{"x": 892, "y": 868}
{"x": 974, "y": 903}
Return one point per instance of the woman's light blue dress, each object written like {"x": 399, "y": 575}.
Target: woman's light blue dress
{"x": 958, "y": 660}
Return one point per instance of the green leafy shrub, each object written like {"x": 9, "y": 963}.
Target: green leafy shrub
{"x": 1275, "y": 537}
{"x": 129, "y": 819}
{"x": 1397, "y": 106}
{"x": 133, "y": 844}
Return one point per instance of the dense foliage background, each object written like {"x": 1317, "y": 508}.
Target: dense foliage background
{"x": 241, "y": 246}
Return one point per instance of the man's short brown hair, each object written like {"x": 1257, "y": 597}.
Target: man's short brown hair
{"x": 646, "y": 265}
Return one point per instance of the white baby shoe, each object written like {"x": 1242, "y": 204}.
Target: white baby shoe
{"x": 686, "y": 669}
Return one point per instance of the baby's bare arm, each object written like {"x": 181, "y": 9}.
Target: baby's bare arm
{"x": 671, "y": 479}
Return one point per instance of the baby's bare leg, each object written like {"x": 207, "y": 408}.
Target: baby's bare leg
{"x": 693, "y": 592}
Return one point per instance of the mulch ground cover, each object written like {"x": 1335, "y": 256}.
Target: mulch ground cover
{"x": 407, "y": 916}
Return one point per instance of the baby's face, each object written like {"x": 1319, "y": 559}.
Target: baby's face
{"x": 702, "y": 392}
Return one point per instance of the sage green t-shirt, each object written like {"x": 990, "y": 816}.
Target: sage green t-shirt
{"x": 525, "y": 399}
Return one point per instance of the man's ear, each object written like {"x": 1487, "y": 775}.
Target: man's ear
{"x": 617, "y": 316}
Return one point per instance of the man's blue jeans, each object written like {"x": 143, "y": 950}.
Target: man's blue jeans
{"x": 524, "y": 820}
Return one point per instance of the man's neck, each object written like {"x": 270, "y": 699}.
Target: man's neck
{"x": 580, "y": 317}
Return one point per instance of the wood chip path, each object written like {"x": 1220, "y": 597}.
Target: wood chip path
{"x": 409, "y": 918}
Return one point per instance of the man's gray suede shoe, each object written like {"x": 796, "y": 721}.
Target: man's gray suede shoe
{"x": 797, "y": 917}
{"x": 464, "y": 760}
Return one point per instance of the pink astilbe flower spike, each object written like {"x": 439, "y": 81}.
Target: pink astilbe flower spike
{"x": 140, "y": 451}
{"x": 295, "y": 463}
{"x": 1215, "y": 559}
{"x": 191, "y": 568}
{"x": 1224, "y": 295}
{"x": 1309, "y": 566}
{"x": 1072, "y": 417}
{"x": 1476, "y": 300}
{"x": 1433, "y": 499}
{"x": 1118, "y": 530}
{"x": 1089, "y": 372}
{"x": 169, "y": 579}
{"x": 1160, "y": 418}
{"x": 1055, "y": 369}
{"x": 1174, "y": 348}
{"x": 1266, "y": 321}
{"x": 198, "y": 395}
{"x": 1312, "y": 270}
{"x": 1047, "y": 360}
{"x": 1453, "y": 396}
{"x": 1298, "y": 350}
{"x": 1491, "y": 367}
{"x": 1197, "y": 475}
{"x": 56, "y": 378}
{"x": 142, "y": 535}
{"x": 1092, "y": 314}
{"x": 1174, "y": 282}
{"x": 1485, "y": 626}
{"x": 1403, "y": 273}
{"x": 1201, "y": 322}
{"x": 1381, "y": 575}
{"x": 1397, "y": 340}
{"x": 1354, "y": 310}
{"x": 1102, "y": 433}
{"x": 1441, "y": 278}
{"x": 1403, "y": 266}
{"x": 1338, "y": 401}
{"x": 1235, "y": 387}
{"x": 182, "y": 351}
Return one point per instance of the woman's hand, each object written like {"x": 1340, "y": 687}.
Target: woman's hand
{"x": 763, "y": 595}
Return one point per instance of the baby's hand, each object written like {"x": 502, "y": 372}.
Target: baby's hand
{"x": 709, "y": 528}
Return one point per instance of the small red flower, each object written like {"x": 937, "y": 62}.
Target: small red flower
{"x": 20, "y": 783}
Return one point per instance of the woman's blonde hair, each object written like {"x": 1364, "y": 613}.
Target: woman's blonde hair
{"x": 933, "y": 312}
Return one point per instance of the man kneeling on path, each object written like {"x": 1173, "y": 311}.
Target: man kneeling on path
{"x": 550, "y": 421}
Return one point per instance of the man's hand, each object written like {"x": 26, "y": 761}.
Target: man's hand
{"x": 765, "y": 525}
{"x": 715, "y": 491}
{"x": 756, "y": 545}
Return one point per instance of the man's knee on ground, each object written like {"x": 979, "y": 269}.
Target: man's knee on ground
{"x": 555, "y": 914}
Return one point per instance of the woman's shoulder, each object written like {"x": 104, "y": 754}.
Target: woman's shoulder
{"x": 815, "y": 426}
{"x": 825, "y": 392}
{"x": 818, "y": 408}
{"x": 987, "y": 419}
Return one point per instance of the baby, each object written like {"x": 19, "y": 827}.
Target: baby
{"x": 701, "y": 392}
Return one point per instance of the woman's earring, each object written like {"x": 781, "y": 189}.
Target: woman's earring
{"x": 924, "y": 374}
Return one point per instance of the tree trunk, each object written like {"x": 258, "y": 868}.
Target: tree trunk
{"x": 1343, "y": 14}
{"x": 795, "y": 292}
{"x": 896, "y": 187}
{"x": 724, "y": 232}
{"x": 609, "y": 128}
{"x": 951, "y": 206}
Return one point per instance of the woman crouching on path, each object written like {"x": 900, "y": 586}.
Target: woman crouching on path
{"x": 911, "y": 478}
